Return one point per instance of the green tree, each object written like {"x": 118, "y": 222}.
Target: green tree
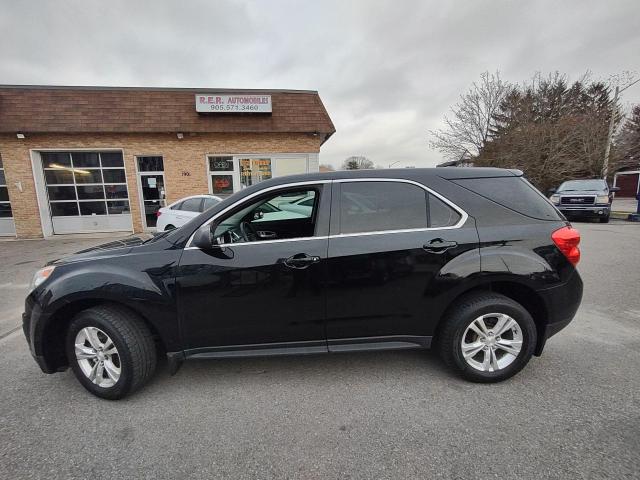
{"x": 627, "y": 144}
{"x": 550, "y": 130}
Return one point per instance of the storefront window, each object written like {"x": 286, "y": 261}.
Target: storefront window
{"x": 151, "y": 164}
{"x": 222, "y": 184}
{"x": 221, "y": 164}
{"x": 254, "y": 170}
{"x": 221, "y": 173}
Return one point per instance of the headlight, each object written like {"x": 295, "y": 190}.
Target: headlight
{"x": 555, "y": 199}
{"x": 40, "y": 276}
{"x": 602, "y": 199}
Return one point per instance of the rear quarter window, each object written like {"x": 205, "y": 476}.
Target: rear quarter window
{"x": 514, "y": 193}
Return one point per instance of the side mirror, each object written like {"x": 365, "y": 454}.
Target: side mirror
{"x": 552, "y": 191}
{"x": 258, "y": 215}
{"x": 614, "y": 189}
{"x": 204, "y": 239}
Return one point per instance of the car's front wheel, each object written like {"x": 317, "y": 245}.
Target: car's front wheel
{"x": 110, "y": 351}
{"x": 487, "y": 337}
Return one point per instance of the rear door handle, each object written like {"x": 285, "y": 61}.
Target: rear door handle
{"x": 301, "y": 261}
{"x": 438, "y": 245}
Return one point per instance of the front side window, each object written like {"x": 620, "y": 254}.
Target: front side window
{"x": 380, "y": 206}
{"x": 276, "y": 216}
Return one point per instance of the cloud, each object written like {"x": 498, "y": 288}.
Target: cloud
{"x": 387, "y": 70}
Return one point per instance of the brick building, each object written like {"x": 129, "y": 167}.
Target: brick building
{"x": 100, "y": 159}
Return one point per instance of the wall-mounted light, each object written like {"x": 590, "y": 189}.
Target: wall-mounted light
{"x": 20, "y": 135}
{"x": 180, "y": 135}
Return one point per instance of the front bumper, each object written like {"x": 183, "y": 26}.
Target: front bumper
{"x": 32, "y": 326}
{"x": 591, "y": 211}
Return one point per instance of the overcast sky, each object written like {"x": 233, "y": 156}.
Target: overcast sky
{"x": 386, "y": 71}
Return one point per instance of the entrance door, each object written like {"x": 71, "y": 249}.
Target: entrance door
{"x": 7, "y": 227}
{"x": 153, "y": 197}
{"x": 151, "y": 177}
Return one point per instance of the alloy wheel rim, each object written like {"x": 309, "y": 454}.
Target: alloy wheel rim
{"x": 491, "y": 342}
{"x": 97, "y": 357}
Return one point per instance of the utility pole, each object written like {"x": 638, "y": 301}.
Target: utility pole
{"x": 614, "y": 114}
{"x": 607, "y": 150}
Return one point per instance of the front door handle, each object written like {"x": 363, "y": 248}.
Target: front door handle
{"x": 438, "y": 245}
{"x": 265, "y": 234}
{"x": 301, "y": 261}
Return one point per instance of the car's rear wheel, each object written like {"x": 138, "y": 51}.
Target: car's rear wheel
{"x": 487, "y": 337}
{"x": 110, "y": 351}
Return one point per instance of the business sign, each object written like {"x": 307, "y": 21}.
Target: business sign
{"x": 216, "y": 103}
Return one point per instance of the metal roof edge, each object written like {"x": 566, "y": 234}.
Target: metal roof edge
{"x": 154, "y": 89}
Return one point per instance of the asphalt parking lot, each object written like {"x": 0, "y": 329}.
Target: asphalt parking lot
{"x": 572, "y": 413}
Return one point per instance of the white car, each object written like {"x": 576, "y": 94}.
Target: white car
{"x": 303, "y": 205}
{"x": 180, "y": 212}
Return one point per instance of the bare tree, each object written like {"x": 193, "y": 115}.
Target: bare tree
{"x": 357, "y": 163}
{"x": 472, "y": 119}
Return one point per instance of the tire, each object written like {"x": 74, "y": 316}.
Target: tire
{"x": 133, "y": 363}
{"x": 604, "y": 219}
{"x": 457, "y": 326}
{"x": 169, "y": 227}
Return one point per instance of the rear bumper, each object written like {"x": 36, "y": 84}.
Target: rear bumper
{"x": 562, "y": 303}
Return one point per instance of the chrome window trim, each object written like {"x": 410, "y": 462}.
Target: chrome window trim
{"x": 463, "y": 215}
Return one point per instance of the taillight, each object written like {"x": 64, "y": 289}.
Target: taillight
{"x": 158, "y": 213}
{"x": 567, "y": 240}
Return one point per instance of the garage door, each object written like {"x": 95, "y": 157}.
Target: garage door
{"x": 86, "y": 191}
{"x": 628, "y": 184}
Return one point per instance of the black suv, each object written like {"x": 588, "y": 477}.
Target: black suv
{"x": 475, "y": 262}
{"x": 584, "y": 199}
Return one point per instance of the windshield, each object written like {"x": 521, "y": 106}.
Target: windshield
{"x": 573, "y": 185}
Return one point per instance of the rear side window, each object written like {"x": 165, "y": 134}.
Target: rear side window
{"x": 441, "y": 214}
{"x": 379, "y": 206}
{"x": 514, "y": 193}
{"x": 191, "y": 205}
